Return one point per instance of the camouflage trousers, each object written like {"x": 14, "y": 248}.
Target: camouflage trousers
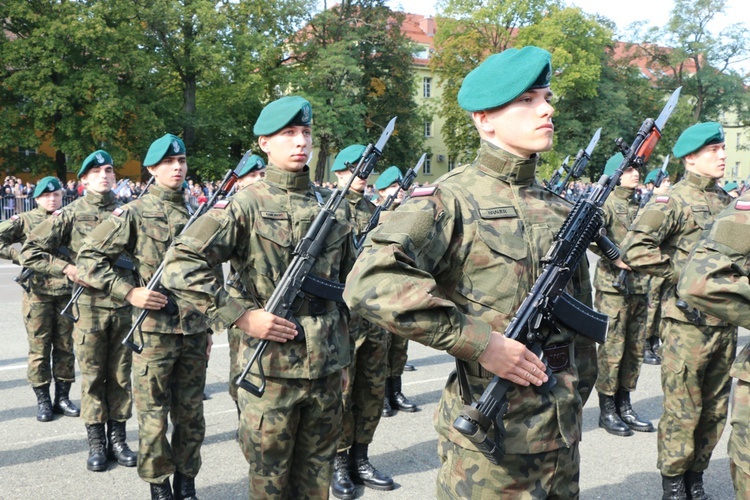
{"x": 696, "y": 384}
{"x": 289, "y": 436}
{"x": 397, "y": 347}
{"x": 168, "y": 380}
{"x": 50, "y": 339}
{"x": 739, "y": 440}
{"x": 105, "y": 363}
{"x": 621, "y": 356}
{"x": 467, "y": 474}
{"x": 236, "y": 339}
{"x": 585, "y": 353}
{"x": 363, "y": 398}
{"x": 653, "y": 314}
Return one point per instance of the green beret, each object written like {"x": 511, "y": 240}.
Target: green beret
{"x": 503, "y": 77}
{"x": 166, "y": 145}
{"x": 290, "y": 110}
{"x": 49, "y": 185}
{"x": 697, "y": 136}
{"x": 254, "y": 163}
{"x": 350, "y": 154}
{"x": 613, "y": 163}
{"x": 392, "y": 174}
{"x": 95, "y": 159}
{"x": 651, "y": 177}
{"x": 730, "y": 186}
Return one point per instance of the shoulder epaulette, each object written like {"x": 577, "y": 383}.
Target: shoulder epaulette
{"x": 423, "y": 191}
{"x": 742, "y": 205}
{"x": 662, "y": 199}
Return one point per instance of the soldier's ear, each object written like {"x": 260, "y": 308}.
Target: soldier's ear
{"x": 263, "y": 143}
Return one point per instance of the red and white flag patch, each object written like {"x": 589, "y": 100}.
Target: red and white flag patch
{"x": 57, "y": 212}
{"x": 118, "y": 212}
{"x": 742, "y": 205}
{"x": 423, "y": 191}
{"x": 662, "y": 199}
{"x": 221, "y": 204}
{"x": 15, "y": 217}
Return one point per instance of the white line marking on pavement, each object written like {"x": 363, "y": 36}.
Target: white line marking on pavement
{"x": 12, "y": 367}
{"x": 416, "y": 382}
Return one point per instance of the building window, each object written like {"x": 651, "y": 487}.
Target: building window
{"x": 426, "y": 87}
{"x": 427, "y": 167}
{"x": 451, "y": 163}
{"x": 427, "y": 128}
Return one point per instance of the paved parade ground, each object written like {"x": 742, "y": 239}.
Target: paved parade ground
{"x": 48, "y": 460}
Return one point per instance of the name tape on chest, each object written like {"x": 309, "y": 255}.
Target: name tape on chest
{"x": 221, "y": 204}
{"x": 662, "y": 199}
{"x": 742, "y": 205}
{"x": 498, "y": 212}
{"x": 274, "y": 215}
{"x": 423, "y": 191}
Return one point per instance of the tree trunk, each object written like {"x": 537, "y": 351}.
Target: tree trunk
{"x": 61, "y": 167}
{"x": 320, "y": 165}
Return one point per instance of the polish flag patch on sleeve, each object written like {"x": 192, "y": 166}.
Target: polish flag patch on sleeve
{"x": 57, "y": 212}
{"x": 15, "y": 217}
{"x": 423, "y": 191}
{"x": 221, "y": 204}
{"x": 662, "y": 199}
{"x": 118, "y": 212}
{"x": 742, "y": 205}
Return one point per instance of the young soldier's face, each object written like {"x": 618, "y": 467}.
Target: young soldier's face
{"x": 100, "y": 179}
{"x": 385, "y": 193}
{"x": 251, "y": 178}
{"x": 289, "y": 148}
{"x": 50, "y": 201}
{"x": 708, "y": 161}
{"x": 522, "y": 127}
{"x": 358, "y": 184}
{"x": 629, "y": 178}
{"x": 170, "y": 171}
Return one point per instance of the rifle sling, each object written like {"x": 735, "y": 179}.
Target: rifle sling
{"x": 581, "y": 319}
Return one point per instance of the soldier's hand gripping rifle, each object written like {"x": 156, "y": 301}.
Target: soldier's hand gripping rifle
{"x": 553, "y": 181}
{"x": 579, "y": 164}
{"x": 621, "y": 283}
{"x": 403, "y": 185}
{"x": 547, "y": 303}
{"x": 154, "y": 284}
{"x": 122, "y": 262}
{"x": 291, "y": 285}
{"x": 26, "y": 273}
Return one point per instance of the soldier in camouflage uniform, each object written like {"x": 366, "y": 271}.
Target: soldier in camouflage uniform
{"x": 50, "y": 335}
{"x": 170, "y": 373}
{"x": 453, "y": 264}
{"x": 363, "y": 397}
{"x": 715, "y": 280}
{"x": 253, "y": 171}
{"x": 695, "y": 357}
{"x": 621, "y": 356}
{"x": 655, "y": 285}
{"x": 104, "y": 321}
{"x": 386, "y": 185}
{"x": 289, "y": 435}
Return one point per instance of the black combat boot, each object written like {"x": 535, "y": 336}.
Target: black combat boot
{"x": 628, "y": 414}
{"x": 161, "y": 491}
{"x": 398, "y": 400}
{"x": 387, "y": 411}
{"x": 674, "y": 488}
{"x": 694, "y": 485}
{"x": 409, "y": 368}
{"x": 62, "y": 403}
{"x": 362, "y": 471}
{"x": 184, "y": 487}
{"x": 97, "y": 460}
{"x": 43, "y": 403}
{"x": 650, "y": 356}
{"x": 118, "y": 447}
{"x": 342, "y": 485}
{"x": 609, "y": 420}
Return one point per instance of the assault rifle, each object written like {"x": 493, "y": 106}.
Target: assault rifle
{"x": 553, "y": 181}
{"x": 620, "y": 284}
{"x": 154, "y": 283}
{"x": 291, "y": 285}
{"x": 580, "y": 163}
{"x": 122, "y": 262}
{"x": 547, "y": 303}
{"x": 403, "y": 184}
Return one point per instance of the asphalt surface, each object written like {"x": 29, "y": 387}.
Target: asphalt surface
{"x": 48, "y": 460}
